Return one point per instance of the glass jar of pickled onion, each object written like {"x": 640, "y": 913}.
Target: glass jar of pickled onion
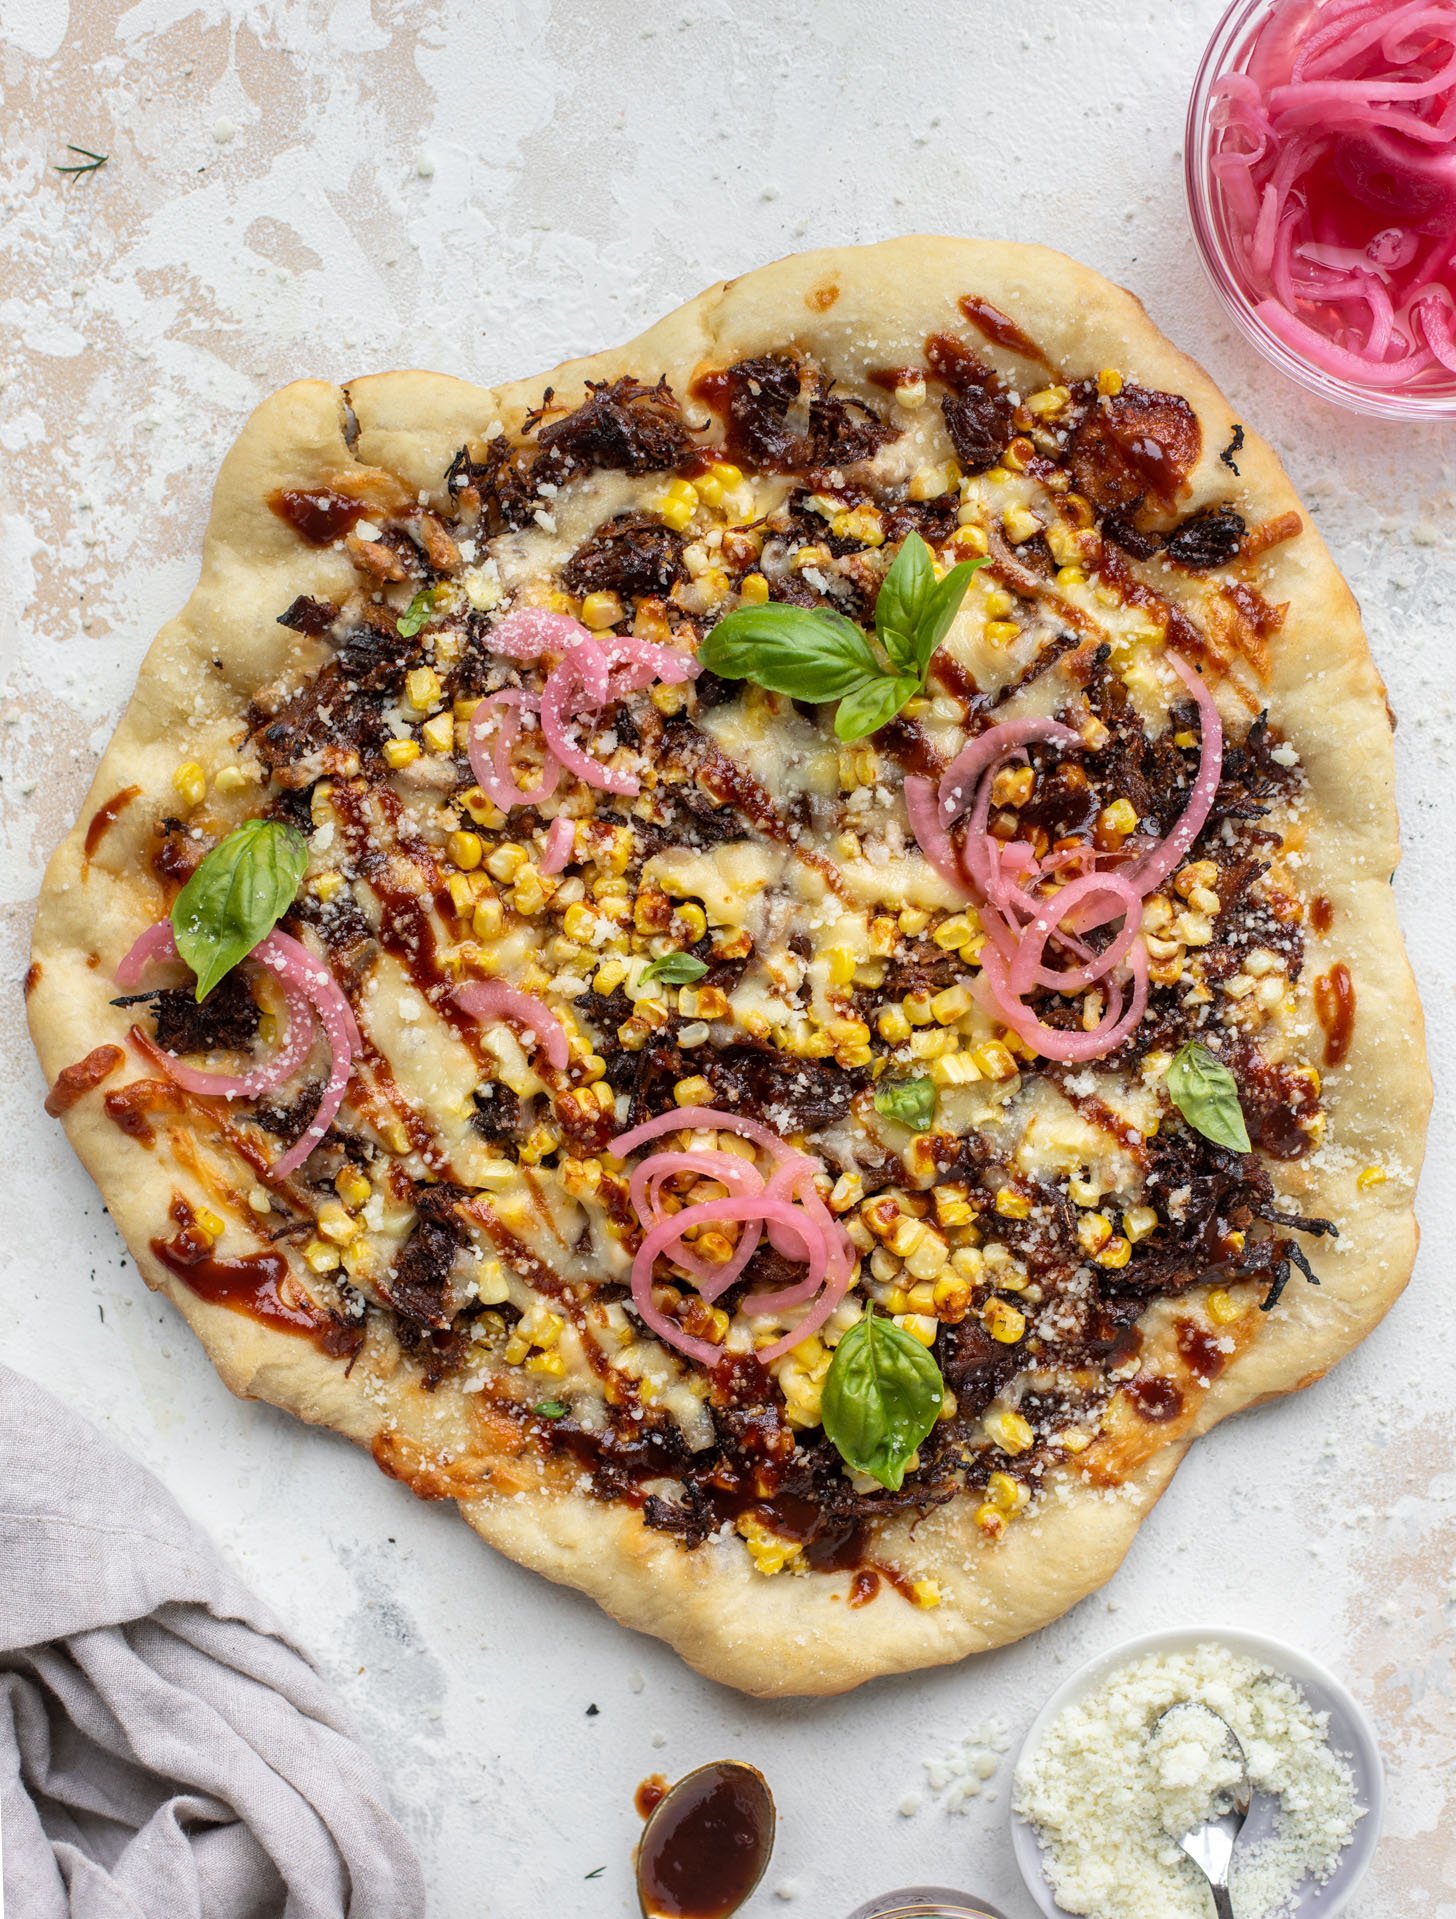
{"x": 926, "y": 1902}
{"x": 1320, "y": 164}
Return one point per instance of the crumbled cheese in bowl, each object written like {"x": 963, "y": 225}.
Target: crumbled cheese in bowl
{"x": 1108, "y": 1790}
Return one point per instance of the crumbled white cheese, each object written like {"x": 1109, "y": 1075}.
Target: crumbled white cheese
{"x": 1103, "y": 1797}
{"x": 966, "y": 1771}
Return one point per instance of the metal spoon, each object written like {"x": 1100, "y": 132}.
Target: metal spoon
{"x": 1211, "y": 1845}
{"x": 706, "y": 1842}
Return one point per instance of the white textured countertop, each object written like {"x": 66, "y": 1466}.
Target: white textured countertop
{"x": 300, "y": 187}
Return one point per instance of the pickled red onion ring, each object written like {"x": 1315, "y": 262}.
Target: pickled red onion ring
{"x": 493, "y": 774}
{"x": 530, "y": 631}
{"x": 1027, "y": 970}
{"x": 560, "y": 839}
{"x": 1055, "y": 1042}
{"x": 488, "y": 999}
{"x": 1159, "y": 861}
{"x": 159, "y": 943}
{"x": 702, "y": 1119}
{"x": 307, "y": 984}
{"x": 739, "y": 1176}
{"x": 923, "y": 809}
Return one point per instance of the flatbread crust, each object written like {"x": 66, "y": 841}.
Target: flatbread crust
{"x": 850, "y": 308}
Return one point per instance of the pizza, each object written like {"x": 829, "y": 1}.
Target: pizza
{"x": 768, "y": 960}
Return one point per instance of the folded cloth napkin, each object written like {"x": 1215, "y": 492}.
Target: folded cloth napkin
{"x": 165, "y": 1752}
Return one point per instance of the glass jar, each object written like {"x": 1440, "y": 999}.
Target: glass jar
{"x": 927, "y": 1902}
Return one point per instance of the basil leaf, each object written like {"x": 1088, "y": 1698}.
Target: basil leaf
{"x": 417, "y": 613}
{"x": 1207, "y": 1095}
{"x": 941, "y": 606}
{"x": 873, "y": 703}
{"x": 903, "y": 597}
{"x": 910, "y": 1101}
{"x": 674, "y": 969}
{"x": 882, "y": 1394}
{"x": 550, "y": 1409}
{"x": 810, "y": 653}
{"x": 237, "y": 896}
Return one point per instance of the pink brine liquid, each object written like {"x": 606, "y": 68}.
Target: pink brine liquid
{"x": 1333, "y": 162}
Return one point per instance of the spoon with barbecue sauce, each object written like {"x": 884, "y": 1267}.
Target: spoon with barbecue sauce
{"x": 706, "y": 1842}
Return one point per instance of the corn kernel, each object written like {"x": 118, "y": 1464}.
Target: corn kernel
{"x": 466, "y": 850}
{"x": 230, "y": 779}
{"x": 482, "y": 810}
{"x": 769, "y": 1551}
{"x": 1093, "y": 1232}
{"x": 1004, "y": 1322}
{"x": 326, "y": 886}
{"x": 260, "y": 1200}
{"x": 951, "y": 1004}
{"x": 551, "y": 1364}
{"x": 1012, "y": 786}
{"x": 930, "y": 482}
{"x": 488, "y": 919}
{"x": 337, "y": 1224}
{"x": 422, "y": 688}
{"x": 352, "y": 1186}
{"x": 1020, "y": 524}
{"x": 189, "y": 783}
{"x": 398, "y": 753}
{"x": 694, "y": 1091}
{"x": 1115, "y": 1254}
{"x": 860, "y": 523}
{"x": 678, "y": 505}
{"x": 210, "y": 1224}
{"x": 1223, "y": 1308}
{"x": 1012, "y": 1205}
{"x": 1138, "y": 1222}
{"x": 1008, "y": 1430}
{"x": 753, "y": 589}
{"x": 1120, "y": 818}
{"x": 320, "y": 1257}
{"x": 1109, "y": 382}
{"x": 993, "y": 1060}
{"x": 921, "y": 1326}
{"x": 1371, "y": 1177}
{"x": 1002, "y": 632}
{"x": 925, "y": 1593}
{"x": 991, "y": 1520}
{"x": 601, "y": 610}
{"x": 531, "y": 891}
{"x": 505, "y": 861}
{"x": 438, "y": 734}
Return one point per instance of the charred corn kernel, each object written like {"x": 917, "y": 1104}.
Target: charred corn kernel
{"x": 954, "y": 933}
{"x": 608, "y": 977}
{"x": 1065, "y": 547}
{"x": 1012, "y": 786}
{"x": 930, "y": 482}
{"x": 952, "y": 1299}
{"x": 769, "y": 1551}
{"x": 1008, "y": 1430}
{"x": 1223, "y": 1308}
{"x": 260, "y": 1200}
{"x": 1074, "y": 1441}
{"x": 1121, "y": 817}
{"x": 1198, "y": 873}
{"x": 993, "y": 1060}
{"x": 1018, "y": 454}
{"x": 848, "y": 1192}
{"x": 921, "y": 1326}
{"x": 1093, "y": 1232}
{"x": 326, "y": 886}
{"x": 551, "y": 1364}
{"x": 860, "y": 523}
{"x": 692, "y": 919}
{"x": 1006, "y": 1493}
{"x": 925, "y": 1261}
{"x": 1194, "y": 929}
{"x": 189, "y": 783}
{"x": 1049, "y": 402}
{"x": 422, "y": 688}
{"x": 1109, "y": 382}
{"x": 848, "y": 1032}
{"x": 953, "y": 1003}
{"x": 601, "y": 610}
{"x": 335, "y": 1222}
{"x": 925, "y": 1593}
{"x": 438, "y": 734}
{"x": 466, "y": 850}
{"x": 720, "y": 479}
{"x": 361, "y": 1261}
{"x": 482, "y": 810}
{"x": 1004, "y": 1322}
{"x": 916, "y": 1008}
{"x": 693, "y": 1091}
{"x": 465, "y": 706}
{"x": 970, "y": 542}
{"x": 320, "y": 1257}
{"x": 1371, "y": 1177}
{"x": 1020, "y": 524}
{"x": 953, "y": 1206}
{"x": 905, "y": 1235}
{"x": 1115, "y": 1254}
{"x": 538, "y": 1143}
{"x": 678, "y": 505}
{"x": 352, "y": 1186}
{"x": 753, "y": 589}
{"x": 1138, "y": 1222}
{"x": 398, "y": 753}
{"x": 1012, "y": 1205}
{"x": 1002, "y": 632}
{"x": 934, "y": 1044}
{"x": 505, "y": 861}
{"x": 230, "y": 779}
{"x": 882, "y": 935}
{"x": 488, "y": 919}
{"x": 991, "y": 1520}
{"x": 892, "y": 1025}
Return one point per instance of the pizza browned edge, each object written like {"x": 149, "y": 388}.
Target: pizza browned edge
{"x": 794, "y": 1635}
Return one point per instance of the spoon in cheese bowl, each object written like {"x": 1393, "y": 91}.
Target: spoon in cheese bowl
{"x": 1201, "y": 1767}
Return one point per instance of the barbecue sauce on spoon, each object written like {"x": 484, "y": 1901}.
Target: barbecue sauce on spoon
{"x": 706, "y": 1842}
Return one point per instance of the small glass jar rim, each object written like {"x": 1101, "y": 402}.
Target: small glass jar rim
{"x": 1414, "y": 404}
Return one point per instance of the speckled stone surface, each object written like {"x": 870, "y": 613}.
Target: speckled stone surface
{"x": 297, "y": 186}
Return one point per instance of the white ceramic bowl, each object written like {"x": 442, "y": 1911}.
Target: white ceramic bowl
{"x": 1350, "y": 1732}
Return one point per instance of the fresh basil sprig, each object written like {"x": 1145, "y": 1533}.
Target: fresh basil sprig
{"x": 882, "y": 1394}
{"x": 1207, "y": 1095}
{"x": 238, "y": 894}
{"x": 550, "y": 1409}
{"x": 674, "y": 969}
{"x": 815, "y": 653}
{"x": 910, "y": 1101}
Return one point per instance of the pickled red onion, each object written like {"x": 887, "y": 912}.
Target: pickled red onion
{"x": 1158, "y": 862}
{"x": 488, "y": 999}
{"x": 696, "y": 1119}
{"x": 560, "y": 839}
{"x": 739, "y": 1176}
{"x": 307, "y": 984}
{"x": 1060, "y": 1043}
{"x": 579, "y": 685}
{"x": 493, "y": 775}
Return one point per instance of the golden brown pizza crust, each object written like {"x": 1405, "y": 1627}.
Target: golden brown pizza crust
{"x": 853, "y": 309}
